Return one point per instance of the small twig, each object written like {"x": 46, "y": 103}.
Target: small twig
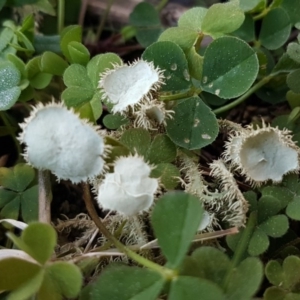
{"x": 45, "y": 196}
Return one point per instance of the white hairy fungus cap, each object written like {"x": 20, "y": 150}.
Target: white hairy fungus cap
{"x": 206, "y": 221}
{"x": 58, "y": 140}
{"x": 129, "y": 190}
{"x": 262, "y": 154}
{"x": 128, "y": 85}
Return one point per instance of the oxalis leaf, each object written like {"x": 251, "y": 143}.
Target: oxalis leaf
{"x": 9, "y": 89}
{"x": 230, "y": 67}
{"x": 194, "y": 125}
{"x": 120, "y": 282}
{"x": 169, "y": 56}
{"x": 175, "y": 220}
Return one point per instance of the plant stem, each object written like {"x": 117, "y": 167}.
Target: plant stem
{"x": 61, "y": 16}
{"x": 262, "y": 14}
{"x": 103, "y": 19}
{"x": 166, "y": 273}
{"x": 45, "y": 196}
{"x": 242, "y": 245}
{"x": 241, "y": 99}
{"x": 161, "y": 5}
{"x": 178, "y": 96}
{"x": 11, "y": 132}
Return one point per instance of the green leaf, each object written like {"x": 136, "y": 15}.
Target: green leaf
{"x": 268, "y": 206}
{"x": 147, "y": 21}
{"x": 274, "y": 272}
{"x": 293, "y": 209}
{"x": 9, "y": 89}
{"x": 191, "y": 288}
{"x": 30, "y": 204}
{"x": 175, "y": 220}
{"x": 17, "y": 178}
{"x": 247, "y": 31}
{"x": 248, "y": 5}
{"x": 193, "y": 18}
{"x": 52, "y": 63}
{"x": 99, "y": 64}
{"x": 65, "y": 277}
{"x": 114, "y": 121}
{"x": 275, "y": 226}
{"x": 169, "y": 57}
{"x": 194, "y": 125}
{"x": 222, "y": 18}
{"x": 275, "y": 29}
{"x": 126, "y": 283}
{"x": 70, "y": 34}
{"x": 211, "y": 263}
{"x": 275, "y": 293}
{"x": 227, "y": 60}
{"x": 293, "y": 81}
{"x": 291, "y": 268}
{"x": 162, "y": 150}
{"x": 6, "y": 196}
{"x": 284, "y": 195}
{"x": 195, "y": 62}
{"x": 288, "y": 61}
{"x": 259, "y": 243}
{"x": 28, "y": 289}
{"x": 79, "y": 54}
{"x": 137, "y": 140}
{"x": 293, "y": 10}
{"x": 17, "y": 272}
{"x": 184, "y": 37}
{"x": 19, "y": 64}
{"x": 11, "y": 209}
{"x": 168, "y": 174}
{"x": 245, "y": 280}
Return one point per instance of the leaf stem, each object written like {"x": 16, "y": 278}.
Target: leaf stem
{"x": 241, "y": 99}
{"x": 161, "y": 5}
{"x": 103, "y": 19}
{"x": 61, "y": 16}
{"x": 262, "y": 14}
{"x": 166, "y": 273}
{"x": 242, "y": 245}
{"x": 45, "y": 196}
{"x": 179, "y": 96}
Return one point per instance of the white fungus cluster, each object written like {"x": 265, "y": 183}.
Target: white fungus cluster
{"x": 56, "y": 139}
{"x": 129, "y": 189}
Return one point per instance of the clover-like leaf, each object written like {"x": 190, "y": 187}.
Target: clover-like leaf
{"x": 227, "y": 60}
{"x": 194, "y": 125}
{"x": 175, "y": 220}
{"x": 275, "y": 29}
{"x": 170, "y": 57}
{"x": 168, "y": 175}
{"x": 119, "y": 282}
{"x": 9, "y": 85}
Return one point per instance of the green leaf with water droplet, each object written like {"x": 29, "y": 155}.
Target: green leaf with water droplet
{"x": 275, "y": 29}
{"x": 190, "y": 288}
{"x": 222, "y": 18}
{"x": 175, "y": 220}
{"x": 9, "y": 89}
{"x": 194, "y": 125}
{"x": 228, "y": 60}
{"x": 169, "y": 57}
{"x": 119, "y": 282}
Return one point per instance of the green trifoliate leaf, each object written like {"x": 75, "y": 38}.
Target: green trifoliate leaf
{"x": 79, "y": 54}
{"x": 228, "y": 60}
{"x": 194, "y": 125}
{"x": 284, "y": 195}
{"x": 267, "y": 207}
{"x": 169, "y": 57}
{"x": 181, "y": 214}
{"x": 124, "y": 283}
{"x": 9, "y": 85}
{"x": 222, "y": 18}
{"x": 275, "y": 30}
{"x": 52, "y": 63}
